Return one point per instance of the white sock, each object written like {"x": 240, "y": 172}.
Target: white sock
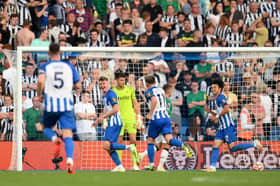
{"x": 145, "y": 153}
{"x": 163, "y": 157}
{"x": 54, "y": 138}
{"x": 70, "y": 161}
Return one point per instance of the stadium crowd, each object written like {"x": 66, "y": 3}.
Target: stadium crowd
{"x": 252, "y": 85}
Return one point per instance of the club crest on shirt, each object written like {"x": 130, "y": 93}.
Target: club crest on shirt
{"x": 114, "y": 99}
{"x": 224, "y": 101}
{"x": 149, "y": 94}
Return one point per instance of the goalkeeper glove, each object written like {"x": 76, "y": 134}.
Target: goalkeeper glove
{"x": 139, "y": 121}
{"x": 104, "y": 124}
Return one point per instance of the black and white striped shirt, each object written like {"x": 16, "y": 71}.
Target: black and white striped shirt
{"x": 276, "y": 15}
{"x": 65, "y": 28}
{"x": 104, "y": 38}
{"x": 268, "y": 7}
{"x": 98, "y": 44}
{"x": 31, "y": 80}
{"x": 197, "y": 22}
{"x": 222, "y": 32}
{"x": 244, "y": 8}
{"x": 277, "y": 41}
{"x": 96, "y": 95}
{"x": 13, "y": 32}
{"x": 179, "y": 27}
{"x": 6, "y": 125}
{"x": 234, "y": 39}
{"x": 250, "y": 18}
{"x": 67, "y": 4}
{"x": 12, "y": 9}
{"x": 224, "y": 67}
{"x": 24, "y": 13}
{"x": 275, "y": 98}
{"x": 207, "y": 40}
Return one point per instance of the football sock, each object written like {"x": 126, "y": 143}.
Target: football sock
{"x": 175, "y": 142}
{"x": 49, "y": 133}
{"x": 117, "y": 146}
{"x": 151, "y": 152}
{"x": 215, "y": 156}
{"x": 69, "y": 147}
{"x": 119, "y": 154}
{"x": 242, "y": 146}
{"x": 115, "y": 158}
{"x": 133, "y": 157}
{"x": 163, "y": 157}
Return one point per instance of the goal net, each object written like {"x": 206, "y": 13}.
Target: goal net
{"x": 251, "y": 85}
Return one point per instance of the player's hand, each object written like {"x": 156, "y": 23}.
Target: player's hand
{"x": 139, "y": 121}
{"x": 104, "y": 124}
{"x": 149, "y": 116}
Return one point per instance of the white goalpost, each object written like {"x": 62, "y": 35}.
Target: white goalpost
{"x": 87, "y": 149}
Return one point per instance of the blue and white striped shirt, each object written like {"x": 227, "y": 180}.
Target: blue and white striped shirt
{"x": 59, "y": 81}
{"x": 226, "y": 120}
{"x": 109, "y": 100}
{"x": 160, "y": 111}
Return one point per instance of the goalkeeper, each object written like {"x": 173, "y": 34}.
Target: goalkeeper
{"x": 128, "y": 107}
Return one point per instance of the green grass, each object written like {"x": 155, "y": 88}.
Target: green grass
{"x": 106, "y": 178}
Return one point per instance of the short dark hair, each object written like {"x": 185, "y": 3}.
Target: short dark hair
{"x": 150, "y": 79}
{"x": 218, "y": 82}
{"x": 103, "y": 78}
{"x": 120, "y": 75}
{"x": 54, "y": 48}
{"x": 127, "y": 21}
{"x": 167, "y": 87}
{"x": 85, "y": 92}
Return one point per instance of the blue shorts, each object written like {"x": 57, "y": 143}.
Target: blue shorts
{"x": 66, "y": 119}
{"x": 159, "y": 126}
{"x": 229, "y": 135}
{"x": 112, "y": 133}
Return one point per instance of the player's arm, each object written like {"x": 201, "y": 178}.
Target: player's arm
{"x": 207, "y": 109}
{"x": 153, "y": 107}
{"x": 41, "y": 84}
{"x": 115, "y": 109}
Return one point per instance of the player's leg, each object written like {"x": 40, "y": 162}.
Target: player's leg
{"x": 131, "y": 129}
{"x": 232, "y": 139}
{"x": 219, "y": 140}
{"x": 49, "y": 120}
{"x": 163, "y": 155}
{"x": 67, "y": 122}
{"x": 167, "y": 132}
{"x": 120, "y": 140}
{"x": 153, "y": 132}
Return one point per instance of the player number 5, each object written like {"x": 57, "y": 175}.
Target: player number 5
{"x": 58, "y": 80}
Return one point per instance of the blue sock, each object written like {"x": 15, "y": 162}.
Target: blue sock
{"x": 215, "y": 156}
{"x": 241, "y": 146}
{"x": 69, "y": 147}
{"x": 115, "y": 157}
{"x": 49, "y": 133}
{"x": 151, "y": 153}
{"x": 117, "y": 146}
{"x": 175, "y": 142}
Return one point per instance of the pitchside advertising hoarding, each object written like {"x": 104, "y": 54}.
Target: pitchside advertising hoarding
{"x": 91, "y": 156}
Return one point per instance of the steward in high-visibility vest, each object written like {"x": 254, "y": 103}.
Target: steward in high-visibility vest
{"x": 245, "y": 126}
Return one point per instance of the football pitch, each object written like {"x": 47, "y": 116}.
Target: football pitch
{"x": 142, "y": 178}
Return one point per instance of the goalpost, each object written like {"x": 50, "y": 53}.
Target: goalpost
{"x": 148, "y": 54}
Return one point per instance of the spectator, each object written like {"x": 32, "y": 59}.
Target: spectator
{"x": 179, "y": 25}
{"x": 259, "y": 114}
{"x": 215, "y": 17}
{"x": 13, "y": 28}
{"x": 225, "y": 68}
{"x": 247, "y": 87}
{"x": 29, "y": 81}
{"x": 118, "y": 22}
{"x": 196, "y": 102}
{"x": 251, "y": 16}
{"x": 234, "y": 38}
{"x": 103, "y": 36}
{"x": 84, "y": 18}
{"x": 25, "y": 36}
{"x": 232, "y": 100}
{"x": 126, "y": 38}
{"x": 85, "y": 114}
{"x": 223, "y": 28}
{"x": 266, "y": 102}
{"x": 166, "y": 41}
{"x": 258, "y": 26}
{"x": 209, "y": 35}
{"x": 59, "y": 12}
{"x": 196, "y": 18}
{"x": 6, "y": 119}
{"x": 69, "y": 5}
{"x": 275, "y": 22}
{"x": 94, "y": 42}
{"x": 142, "y": 40}
{"x": 137, "y": 4}
{"x": 78, "y": 35}
{"x": 234, "y": 14}
{"x": 169, "y": 20}
{"x": 202, "y": 71}
{"x": 246, "y": 123}
{"x": 4, "y": 31}
{"x": 177, "y": 101}
{"x": 32, "y": 121}
{"x": 186, "y": 36}
{"x": 156, "y": 14}
{"x": 166, "y": 3}
{"x": 138, "y": 23}
{"x": 175, "y": 132}
{"x": 105, "y": 71}
{"x": 196, "y": 42}
{"x": 153, "y": 38}
{"x": 43, "y": 40}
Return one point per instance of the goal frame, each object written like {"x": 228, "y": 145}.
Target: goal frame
{"x": 18, "y": 84}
